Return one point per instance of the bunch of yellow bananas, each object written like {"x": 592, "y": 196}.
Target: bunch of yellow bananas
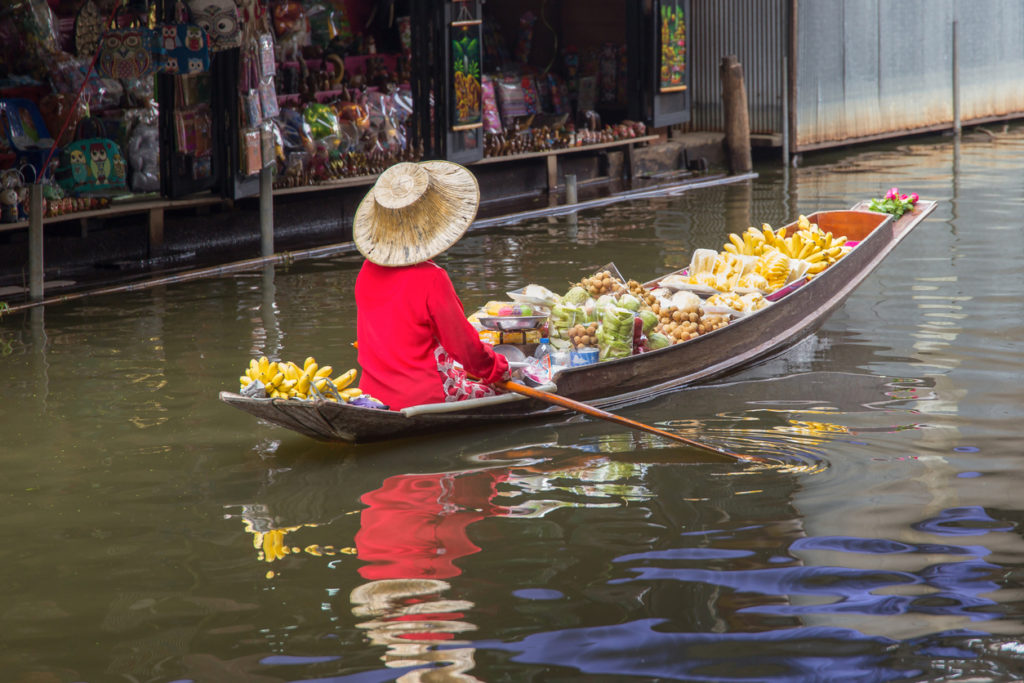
{"x": 285, "y": 379}
{"x": 807, "y": 243}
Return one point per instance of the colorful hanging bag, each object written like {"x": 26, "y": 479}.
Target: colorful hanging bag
{"x": 182, "y": 48}
{"x": 93, "y": 164}
{"x": 125, "y": 52}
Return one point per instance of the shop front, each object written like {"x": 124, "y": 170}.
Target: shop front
{"x": 151, "y": 106}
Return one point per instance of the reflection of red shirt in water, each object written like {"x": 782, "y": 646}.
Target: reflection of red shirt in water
{"x": 414, "y": 525}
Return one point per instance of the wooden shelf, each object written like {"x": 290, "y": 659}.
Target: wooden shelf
{"x": 122, "y": 209}
{"x": 566, "y": 150}
{"x": 354, "y": 181}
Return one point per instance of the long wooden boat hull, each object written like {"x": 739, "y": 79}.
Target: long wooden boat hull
{"x": 744, "y": 341}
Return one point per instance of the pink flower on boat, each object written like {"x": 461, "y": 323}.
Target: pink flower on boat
{"x": 903, "y": 197}
{"x": 913, "y": 198}
{"x": 892, "y": 194}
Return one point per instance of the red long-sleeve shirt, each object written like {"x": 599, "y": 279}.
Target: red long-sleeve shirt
{"x": 403, "y": 315}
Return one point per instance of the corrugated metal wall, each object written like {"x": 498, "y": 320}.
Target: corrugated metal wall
{"x": 868, "y": 68}
{"x": 754, "y": 31}
{"x": 865, "y": 68}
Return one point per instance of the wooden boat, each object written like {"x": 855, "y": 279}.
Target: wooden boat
{"x": 745, "y": 340}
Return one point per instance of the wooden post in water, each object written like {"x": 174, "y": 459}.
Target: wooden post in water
{"x": 266, "y": 212}
{"x": 737, "y": 119}
{"x": 35, "y": 242}
{"x": 570, "y": 188}
{"x": 956, "y": 82}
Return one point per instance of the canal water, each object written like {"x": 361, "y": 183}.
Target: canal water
{"x": 153, "y": 534}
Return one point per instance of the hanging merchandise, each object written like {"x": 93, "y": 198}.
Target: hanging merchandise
{"x": 291, "y": 27}
{"x": 250, "y": 149}
{"x": 88, "y": 29}
{"x": 492, "y": 121}
{"x": 248, "y": 91}
{"x": 92, "y": 164}
{"x": 57, "y": 108}
{"x": 126, "y": 52}
{"x": 524, "y": 44}
{"x": 182, "y": 49}
{"x": 143, "y": 150}
{"x": 219, "y": 18}
{"x": 266, "y": 69}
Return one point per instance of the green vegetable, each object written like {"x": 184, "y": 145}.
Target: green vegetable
{"x": 650, "y": 319}
{"x": 615, "y": 335}
{"x": 564, "y": 316}
{"x": 629, "y": 301}
{"x": 576, "y": 295}
{"x": 657, "y": 340}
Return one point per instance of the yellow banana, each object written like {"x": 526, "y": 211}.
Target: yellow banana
{"x": 272, "y": 369}
{"x": 287, "y": 385}
{"x": 249, "y": 373}
{"x": 325, "y": 371}
{"x": 351, "y": 393}
{"x": 302, "y": 386}
{"x": 245, "y": 380}
{"x": 262, "y": 364}
{"x": 736, "y": 241}
{"x": 254, "y": 365}
{"x": 815, "y": 257}
{"x": 730, "y": 248}
{"x": 276, "y": 379}
{"x": 344, "y": 380}
{"x": 309, "y": 361}
{"x": 817, "y": 267}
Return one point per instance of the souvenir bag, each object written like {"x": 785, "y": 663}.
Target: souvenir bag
{"x": 88, "y": 28}
{"x": 219, "y": 18}
{"x": 125, "y": 52}
{"x": 182, "y": 48}
{"x": 93, "y": 164}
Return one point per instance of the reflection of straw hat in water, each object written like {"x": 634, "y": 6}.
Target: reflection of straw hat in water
{"x": 386, "y": 595}
{"x": 415, "y": 211}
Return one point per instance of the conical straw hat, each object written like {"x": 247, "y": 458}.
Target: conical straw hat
{"x": 414, "y": 212}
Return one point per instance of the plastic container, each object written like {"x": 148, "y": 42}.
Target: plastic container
{"x": 583, "y": 356}
{"x": 544, "y": 349}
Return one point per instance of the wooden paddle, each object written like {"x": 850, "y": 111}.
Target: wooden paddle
{"x": 555, "y": 399}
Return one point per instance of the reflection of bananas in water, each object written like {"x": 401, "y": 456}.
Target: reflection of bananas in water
{"x": 271, "y": 545}
{"x": 285, "y": 379}
{"x": 813, "y": 428}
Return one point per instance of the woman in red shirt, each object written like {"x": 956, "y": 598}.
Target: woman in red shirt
{"x": 410, "y": 324}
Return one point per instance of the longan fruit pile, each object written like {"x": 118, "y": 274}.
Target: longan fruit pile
{"x": 642, "y": 293}
{"x": 583, "y": 335}
{"x": 712, "y": 322}
{"x": 602, "y": 283}
{"x": 682, "y": 326}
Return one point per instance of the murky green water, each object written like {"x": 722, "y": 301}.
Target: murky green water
{"x": 151, "y": 533}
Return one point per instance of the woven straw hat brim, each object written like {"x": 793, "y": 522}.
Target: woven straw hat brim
{"x": 424, "y": 228}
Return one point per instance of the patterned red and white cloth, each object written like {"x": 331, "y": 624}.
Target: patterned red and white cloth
{"x": 457, "y": 386}
{"x": 411, "y": 328}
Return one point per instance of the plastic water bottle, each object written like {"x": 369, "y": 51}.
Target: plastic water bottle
{"x": 544, "y": 350}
